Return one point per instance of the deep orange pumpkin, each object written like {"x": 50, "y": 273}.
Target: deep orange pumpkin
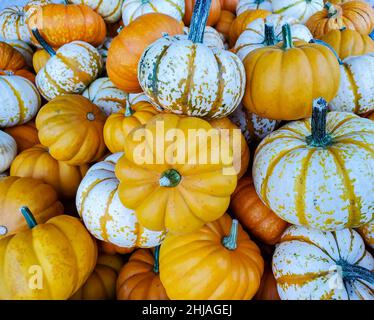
{"x": 10, "y": 58}
{"x": 224, "y": 23}
{"x": 229, "y": 5}
{"x": 268, "y": 286}
{"x": 214, "y": 13}
{"x": 109, "y": 248}
{"x": 26, "y": 135}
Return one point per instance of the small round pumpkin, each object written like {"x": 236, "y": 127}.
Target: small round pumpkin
{"x": 223, "y": 25}
{"x": 26, "y": 135}
{"x": 244, "y": 5}
{"x": 13, "y": 24}
{"x": 112, "y": 249}
{"x": 298, "y": 9}
{"x": 367, "y": 233}
{"x": 268, "y": 286}
{"x": 214, "y": 12}
{"x": 10, "y": 58}
{"x": 39, "y": 59}
{"x": 71, "y": 127}
{"x": 109, "y": 10}
{"x": 211, "y": 38}
{"x": 23, "y": 48}
{"x": 8, "y": 151}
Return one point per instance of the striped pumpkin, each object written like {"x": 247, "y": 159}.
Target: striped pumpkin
{"x": 103, "y": 213}
{"x": 319, "y": 177}
{"x": 13, "y": 25}
{"x": 212, "y": 38}
{"x": 131, "y": 9}
{"x": 106, "y": 96}
{"x": 309, "y": 264}
{"x": 367, "y": 232}
{"x": 19, "y": 100}
{"x": 8, "y": 150}
{"x": 299, "y": 9}
{"x": 110, "y": 10}
{"x": 356, "y": 90}
{"x": 244, "y": 5}
{"x": 23, "y": 48}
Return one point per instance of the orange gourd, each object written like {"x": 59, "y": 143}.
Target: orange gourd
{"x": 10, "y": 58}
{"x": 39, "y": 59}
{"x": 268, "y": 286}
{"x": 110, "y": 248}
{"x": 26, "y": 135}
{"x": 224, "y": 23}
{"x": 214, "y": 12}
{"x": 229, "y": 5}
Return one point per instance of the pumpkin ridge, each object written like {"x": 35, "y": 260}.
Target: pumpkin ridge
{"x": 19, "y": 100}
{"x": 106, "y": 216}
{"x": 357, "y": 143}
{"x": 354, "y": 87}
{"x": 300, "y": 279}
{"x": 185, "y": 101}
{"x": 341, "y": 123}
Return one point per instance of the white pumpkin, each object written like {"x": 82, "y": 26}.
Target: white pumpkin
{"x": 212, "y": 38}
{"x": 106, "y": 96}
{"x": 110, "y": 10}
{"x": 23, "y": 48}
{"x": 131, "y": 9}
{"x": 244, "y": 5}
{"x": 254, "y": 36}
{"x": 13, "y": 25}
{"x": 299, "y": 9}
{"x": 103, "y": 213}
{"x": 309, "y": 264}
{"x": 138, "y": 97}
{"x": 8, "y": 150}
{"x": 367, "y": 232}
{"x": 19, "y": 101}
{"x": 356, "y": 91}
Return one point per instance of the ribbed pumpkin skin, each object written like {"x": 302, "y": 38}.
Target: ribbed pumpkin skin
{"x": 119, "y": 125}
{"x": 23, "y": 48}
{"x": 229, "y": 5}
{"x": 244, "y": 5}
{"x": 324, "y": 188}
{"x": 10, "y": 58}
{"x": 16, "y": 192}
{"x": 268, "y": 286}
{"x": 254, "y": 215}
{"x": 55, "y": 22}
{"x": 197, "y": 266}
{"x": 37, "y": 163}
{"x": 39, "y": 59}
{"x": 8, "y": 151}
{"x": 291, "y": 76}
{"x": 367, "y": 232}
{"x": 109, "y": 10}
{"x": 71, "y": 127}
{"x": 26, "y": 135}
{"x": 138, "y": 281}
{"x": 61, "y": 247}
{"x": 112, "y": 249}
{"x": 131, "y": 42}
{"x": 13, "y": 25}
{"x": 214, "y": 12}
{"x": 305, "y": 265}
{"x": 301, "y": 10}
{"x": 223, "y": 25}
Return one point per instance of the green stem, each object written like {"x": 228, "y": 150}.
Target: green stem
{"x": 317, "y": 41}
{"x": 156, "y": 268}
{"x": 319, "y": 136}
{"x": 331, "y": 10}
{"x": 128, "y": 110}
{"x": 353, "y": 272}
{"x": 269, "y": 35}
{"x": 198, "y": 21}
{"x": 287, "y": 37}
{"x": 170, "y": 178}
{"x": 43, "y": 43}
{"x": 230, "y": 242}
{"x": 30, "y": 220}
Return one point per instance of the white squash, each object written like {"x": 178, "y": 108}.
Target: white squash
{"x": 299, "y": 9}
{"x": 103, "y": 213}
{"x": 137, "y": 97}
{"x": 309, "y": 264}
{"x": 244, "y": 5}
{"x": 110, "y": 10}
{"x": 212, "y": 38}
{"x": 13, "y": 25}
{"x": 19, "y": 101}
{"x": 367, "y": 232}
{"x": 8, "y": 150}
{"x": 23, "y": 48}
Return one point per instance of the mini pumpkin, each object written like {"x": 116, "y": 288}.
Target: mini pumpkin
{"x": 245, "y": 5}
{"x": 229, "y": 5}
{"x": 211, "y": 38}
{"x": 214, "y": 12}
{"x": 112, "y": 249}
{"x": 10, "y": 58}
{"x": 25, "y": 135}
{"x": 367, "y": 233}
{"x": 23, "y": 48}
{"x": 8, "y": 151}
{"x": 109, "y": 10}
{"x": 223, "y": 25}
{"x": 39, "y": 59}
{"x": 301, "y": 10}
{"x": 13, "y": 25}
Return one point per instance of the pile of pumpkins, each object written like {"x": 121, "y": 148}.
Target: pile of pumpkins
{"x": 82, "y": 218}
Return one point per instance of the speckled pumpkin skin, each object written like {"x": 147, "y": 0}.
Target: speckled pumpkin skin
{"x": 304, "y": 265}
{"x": 13, "y": 25}
{"x": 109, "y": 10}
{"x": 8, "y": 150}
{"x": 367, "y": 232}
{"x": 327, "y": 188}
{"x": 301, "y": 10}
{"x": 245, "y": 5}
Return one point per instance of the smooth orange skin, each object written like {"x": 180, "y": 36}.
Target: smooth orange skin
{"x": 137, "y": 280}
{"x": 10, "y": 58}
{"x": 26, "y": 135}
{"x": 282, "y": 84}
{"x": 214, "y": 13}
{"x": 112, "y": 249}
{"x": 197, "y": 266}
{"x": 39, "y": 59}
{"x": 38, "y": 196}
{"x": 60, "y": 24}
{"x": 241, "y": 22}
{"x": 229, "y": 5}
{"x": 248, "y": 208}
{"x": 349, "y": 42}
{"x": 224, "y": 23}
{"x": 126, "y": 49}
{"x": 268, "y": 287}
{"x": 65, "y": 128}
{"x": 118, "y": 125}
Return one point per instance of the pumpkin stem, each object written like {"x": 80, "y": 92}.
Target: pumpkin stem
{"x": 269, "y": 35}
{"x": 170, "y": 178}
{"x": 128, "y": 110}
{"x": 230, "y": 241}
{"x": 287, "y": 38}
{"x": 331, "y": 10}
{"x": 156, "y": 268}
{"x": 43, "y": 43}
{"x": 198, "y": 21}
{"x": 353, "y": 272}
{"x": 317, "y": 41}
{"x": 7, "y": 72}
{"x": 90, "y": 116}
{"x": 30, "y": 220}
{"x": 3, "y": 230}
{"x": 319, "y": 136}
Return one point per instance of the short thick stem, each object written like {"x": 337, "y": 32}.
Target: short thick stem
{"x": 269, "y": 35}
{"x": 230, "y": 242}
{"x": 170, "y": 178}
{"x": 156, "y": 267}
{"x": 287, "y": 36}
{"x": 30, "y": 220}
{"x": 198, "y": 21}
{"x": 354, "y": 272}
{"x": 331, "y": 10}
{"x": 128, "y": 110}
{"x": 43, "y": 43}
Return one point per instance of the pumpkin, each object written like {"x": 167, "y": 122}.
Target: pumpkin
{"x": 23, "y": 48}
{"x": 39, "y": 59}
{"x": 214, "y": 12}
{"x": 32, "y": 6}
{"x": 224, "y": 23}
{"x": 229, "y": 5}
{"x": 217, "y": 262}
{"x": 367, "y": 233}
{"x": 244, "y": 5}
{"x": 211, "y": 38}
{"x": 356, "y": 91}
{"x": 13, "y": 25}
{"x": 109, "y": 10}
{"x": 348, "y": 42}
{"x": 8, "y": 151}
{"x": 25, "y": 135}
{"x": 55, "y": 22}
{"x": 112, "y": 249}
{"x": 19, "y": 99}
{"x": 119, "y": 125}
{"x": 37, "y": 163}
{"x": 132, "y": 9}
{"x": 49, "y": 261}
{"x": 101, "y": 284}
{"x": 268, "y": 32}
{"x": 328, "y": 184}
{"x": 237, "y": 142}
{"x": 104, "y": 215}
{"x": 71, "y": 127}
{"x": 69, "y": 70}
{"x": 310, "y": 264}
{"x": 16, "y": 192}
{"x": 241, "y": 22}
{"x": 10, "y": 58}
{"x": 139, "y": 278}
{"x": 268, "y": 286}
{"x": 106, "y": 96}
{"x": 24, "y": 73}
{"x": 353, "y": 15}
{"x": 198, "y": 182}
{"x": 254, "y": 215}
{"x": 131, "y": 42}
{"x": 283, "y": 80}
{"x": 301, "y": 10}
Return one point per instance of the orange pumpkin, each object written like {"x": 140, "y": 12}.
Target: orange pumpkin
{"x": 26, "y": 135}
{"x": 110, "y": 248}
{"x": 22, "y": 73}
{"x": 229, "y": 5}
{"x": 10, "y": 58}
{"x": 224, "y": 23}
{"x": 131, "y": 42}
{"x": 139, "y": 278}
{"x": 39, "y": 59}
{"x": 263, "y": 223}
{"x": 268, "y": 286}
{"x": 214, "y": 13}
